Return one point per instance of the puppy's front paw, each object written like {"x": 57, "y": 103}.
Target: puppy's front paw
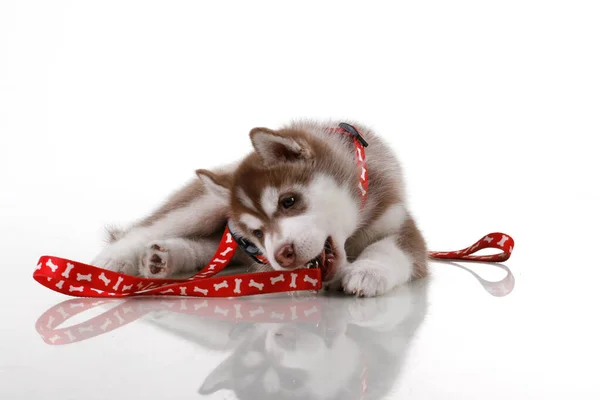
{"x": 366, "y": 278}
{"x": 156, "y": 261}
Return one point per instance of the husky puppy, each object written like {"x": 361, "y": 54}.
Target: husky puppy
{"x": 296, "y": 198}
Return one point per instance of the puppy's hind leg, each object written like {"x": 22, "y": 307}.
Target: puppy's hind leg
{"x": 165, "y": 258}
{"x": 199, "y": 209}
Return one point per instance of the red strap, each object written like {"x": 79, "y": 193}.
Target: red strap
{"x": 82, "y": 280}
{"x": 496, "y": 240}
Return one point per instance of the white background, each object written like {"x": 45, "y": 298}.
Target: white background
{"x": 492, "y": 107}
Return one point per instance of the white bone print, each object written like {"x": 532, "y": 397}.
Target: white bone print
{"x": 121, "y": 320}
{"x": 54, "y": 338}
{"x": 229, "y": 238}
{"x": 226, "y": 251}
{"x": 310, "y": 280}
{"x": 238, "y": 283}
{"x": 294, "y": 313}
{"x": 104, "y": 279}
{"x": 488, "y": 239}
{"x": 204, "y": 304}
{"x": 77, "y": 305}
{"x": 359, "y": 154}
{"x": 363, "y": 192}
{"x": 167, "y": 291}
{"x": 51, "y": 265}
{"x": 119, "y": 281}
{"x": 218, "y": 260}
{"x": 257, "y": 285}
{"x": 39, "y": 266}
{"x": 276, "y": 279}
{"x": 293, "y": 282}
{"x": 182, "y": 291}
{"x": 106, "y": 324}
{"x": 238, "y": 310}
{"x": 256, "y": 311}
{"x": 212, "y": 267}
{"x": 126, "y": 287}
{"x": 362, "y": 175}
{"x": 63, "y": 313}
{"x": 221, "y": 285}
{"x": 60, "y": 284}
{"x": 310, "y": 311}
{"x": 86, "y": 329}
{"x": 81, "y": 277}
{"x": 503, "y": 240}
{"x": 70, "y": 335}
{"x": 219, "y": 310}
{"x": 278, "y": 316}
{"x": 98, "y": 291}
{"x": 75, "y": 288}
{"x": 198, "y": 290}
{"x": 50, "y": 322}
{"x": 67, "y": 271}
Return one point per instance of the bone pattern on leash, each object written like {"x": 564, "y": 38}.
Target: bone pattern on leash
{"x": 198, "y": 290}
{"x": 81, "y": 277}
{"x": 310, "y": 280}
{"x": 221, "y": 285}
{"x": 238, "y": 284}
{"x": 278, "y": 278}
{"x": 227, "y": 251}
{"x": 67, "y": 271}
{"x": 51, "y": 265}
{"x": 104, "y": 279}
{"x": 257, "y": 285}
{"x": 119, "y": 281}
{"x": 293, "y": 282}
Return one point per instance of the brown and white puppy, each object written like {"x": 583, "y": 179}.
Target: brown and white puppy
{"x": 296, "y": 197}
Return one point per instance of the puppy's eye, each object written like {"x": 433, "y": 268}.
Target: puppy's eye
{"x": 258, "y": 233}
{"x": 288, "y": 201}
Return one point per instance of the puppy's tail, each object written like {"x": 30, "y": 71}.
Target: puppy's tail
{"x": 114, "y": 233}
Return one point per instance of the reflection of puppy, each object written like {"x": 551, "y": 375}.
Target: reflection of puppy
{"x": 356, "y": 350}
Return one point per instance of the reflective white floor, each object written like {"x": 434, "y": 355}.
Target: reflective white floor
{"x": 521, "y": 330}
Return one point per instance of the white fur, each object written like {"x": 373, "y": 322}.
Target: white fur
{"x": 250, "y": 221}
{"x": 331, "y": 211}
{"x": 124, "y": 255}
{"x": 389, "y": 221}
{"x": 269, "y": 200}
{"x": 378, "y": 269}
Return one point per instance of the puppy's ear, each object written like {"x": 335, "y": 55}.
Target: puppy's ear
{"x": 274, "y": 147}
{"x": 217, "y": 183}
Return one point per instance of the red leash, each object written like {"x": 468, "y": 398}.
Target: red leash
{"x": 82, "y": 280}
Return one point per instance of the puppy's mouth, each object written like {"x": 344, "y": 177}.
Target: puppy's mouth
{"x": 325, "y": 260}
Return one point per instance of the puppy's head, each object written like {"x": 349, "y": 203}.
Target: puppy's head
{"x": 292, "y": 201}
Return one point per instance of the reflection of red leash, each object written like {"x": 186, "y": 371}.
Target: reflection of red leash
{"x": 283, "y": 310}
{"x": 81, "y": 280}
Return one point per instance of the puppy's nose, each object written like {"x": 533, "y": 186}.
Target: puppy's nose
{"x": 286, "y": 256}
